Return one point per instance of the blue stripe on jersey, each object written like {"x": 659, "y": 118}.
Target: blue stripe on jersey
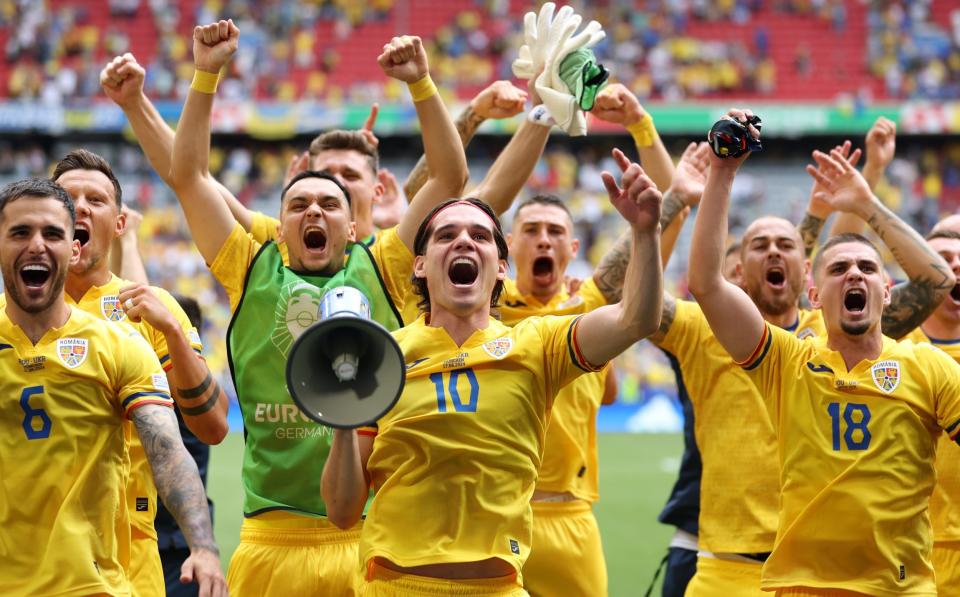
{"x": 953, "y": 427}
{"x": 132, "y": 397}
{"x": 939, "y": 341}
{"x": 5, "y": 346}
{"x": 164, "y": 359}
{"x": 766, "y": 348}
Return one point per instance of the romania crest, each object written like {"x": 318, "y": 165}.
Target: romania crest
{"x": 72, "y": 351}
{"x": 111, "y": 309}
{"x": 886, "y": 374}
{"x": 498, "y": 348}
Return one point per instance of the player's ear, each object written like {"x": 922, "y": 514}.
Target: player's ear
{"x": 886, "y": 295}
{"x": 419, "y": 267}
{"x": 501, "y": 269}
{"x": 807, "y": 271}
{"x": 813, "y": 296}
{"x": 352, "y": 231}
{"x": 121, "y": 224}
{"x": 575, "y": 246}
{"x": 74, "y": 252}
{"x": 509, "y": 240}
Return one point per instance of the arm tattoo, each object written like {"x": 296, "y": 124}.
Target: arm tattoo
{"x": 809, "y": 230}
{"x": 197, "y": 391}
{"x": 175, "y": 474}
{"x": 666, "y": 318}
{"x": 612, "y": 269}
{"x": 911, "y": 303}
{"x": 195, "y": 411}
{"x": 670, "y": 210}
{"x": 467, "y": 124}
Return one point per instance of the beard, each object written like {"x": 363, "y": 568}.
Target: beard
{"x": 58, "y": 279}
{"x": 855, "y": 329}
{"x": 773, "y": 305}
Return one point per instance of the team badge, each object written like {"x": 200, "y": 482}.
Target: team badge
{"x": 498, "y": 348}
{"x": 72, "y": 351}
{"x": 806, "y": 333}
{"x": 886, "y": 374}
{"x": 111, "y": 309}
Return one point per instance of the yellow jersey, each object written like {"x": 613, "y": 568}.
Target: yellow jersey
{"x": 739, "y": 485}
{"x": 945, "y": 501}
{"x": 64, "y": 529}
{"x": 856, "y": 451}
{"x": 462, "y": 446}
{"x": 103, "y": 302}
{"x": 570, "y": 461}
{"x": 264, "y": 228}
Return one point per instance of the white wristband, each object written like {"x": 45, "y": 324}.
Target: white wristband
{"x": 540, "y": 114}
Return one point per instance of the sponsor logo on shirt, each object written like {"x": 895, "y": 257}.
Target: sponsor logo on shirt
{"x": 160, "y": 382}
{"x": 111, "y": 309}
{"x": 498, "y": 348}
{"x": 72, "y": 351}
{"x": 886, "y": 374}
{"x": 297, "y": 309}
{"x": 514, "y": 546}
{"x": 33, "y": 363}
{"x": 143, "y": 504}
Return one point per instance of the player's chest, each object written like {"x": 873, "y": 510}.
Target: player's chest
{"x": 874, "y": 406}
{"x": 492, "y": 381}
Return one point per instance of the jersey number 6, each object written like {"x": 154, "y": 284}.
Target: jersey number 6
{"x": 458, "y": 404}
{"x": 30, "y": 413}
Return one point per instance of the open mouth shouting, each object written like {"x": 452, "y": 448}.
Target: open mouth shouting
{"x": 35, "y": 276}
{"x": 82, "y": 234}
{"x": 855, "y": 300}
{"x": 463, "y": 271}
{"x": 955, "y": 293}
{"x": 776, "y": 277}
{"x": 543, "y": 270}
{"x": 315, "y": 239}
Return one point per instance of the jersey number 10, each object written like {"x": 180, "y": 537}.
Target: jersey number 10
{"x": 458, "y": 404}
{"x": 852, "y": 425}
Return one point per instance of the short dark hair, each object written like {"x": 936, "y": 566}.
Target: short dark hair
{"x": 943, "y": 234}
{"x": 317, "y": 174}
{"x": 37, "y": 188}
{"x": 81, "y": 159}
{"x": 423, "y": 236}
{"x": 846, "y": 237}
{"x": 346, "y": 140}
{"x": 549, "y": 200}
{"x": 191, "y": 307}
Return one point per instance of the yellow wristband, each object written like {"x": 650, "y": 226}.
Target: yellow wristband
{"x": 205, "y": 82}
{"x": 422, "y": 89}
{"x": 643, "y": 131}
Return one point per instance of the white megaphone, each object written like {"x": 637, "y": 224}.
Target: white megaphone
{"x": 346, "y": 370}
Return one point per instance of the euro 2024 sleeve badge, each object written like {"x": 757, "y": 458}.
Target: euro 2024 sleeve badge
{"x": 72, "y": 351}
{"x": 886, "y": 375}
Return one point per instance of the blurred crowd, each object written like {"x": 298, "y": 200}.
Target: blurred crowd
{"x": 54, "y": 49}
{"x": 914, "y": 56}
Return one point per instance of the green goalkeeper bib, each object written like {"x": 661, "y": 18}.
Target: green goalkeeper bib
{"x": 284, "y": 450}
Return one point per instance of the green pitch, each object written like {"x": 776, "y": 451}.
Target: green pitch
{"x": 636, "y": 474}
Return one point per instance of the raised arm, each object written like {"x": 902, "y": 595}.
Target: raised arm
{"x": 606, "y": 332}
{"x": 930, "y": 279}
{"x": 616, "y": 104}
{"x": 207, "y": 215}
{"x": 735, "y": 320}
{"x": 179, "y": 486}
{"x": 126, "y": 261}
{"x": 881, "y": 145}
{"x": 345, "y": 484}
{"x": 498, "y": 100}
{"x": 684, "y": 192}
{"x": 818, "y": 211}
{"x": 405, "y": 59}
{"x": 122, "y": 81}
{"x": 201, "y": 400}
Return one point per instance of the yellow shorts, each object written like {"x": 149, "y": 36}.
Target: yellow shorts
{"x": 811, "y": 592}
{"x": 383, "y": 582}
{"x": 283, "y": 555}
{"x": 566, "y": 556}
{"x": 725, "y": 578}
{"x": 146, "y": 569}
{"x": 946, "y": 567}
